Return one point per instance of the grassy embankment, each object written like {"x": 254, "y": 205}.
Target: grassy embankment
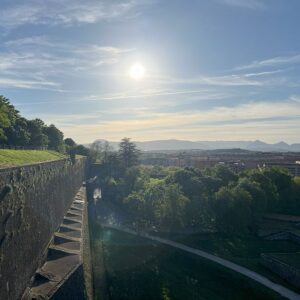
{"x": 141, "y": 269}
{"x": 22, "y": 157}
{"x": 244, "y": 251}
{"x": 292, "y": 259}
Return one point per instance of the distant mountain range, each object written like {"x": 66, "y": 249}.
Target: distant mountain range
{"x": 159, "y": 145}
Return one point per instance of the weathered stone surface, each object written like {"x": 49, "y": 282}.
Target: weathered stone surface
{"x": 63, "y": 276}
{"x": 33, "y": 202}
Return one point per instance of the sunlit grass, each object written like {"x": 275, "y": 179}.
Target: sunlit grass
{"x": 22, "y": 157}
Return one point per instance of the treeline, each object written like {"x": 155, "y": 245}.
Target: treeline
{"x": 19, "y": 132}
{"x": 177, "y": 198}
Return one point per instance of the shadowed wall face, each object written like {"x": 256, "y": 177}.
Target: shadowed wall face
{"x": 33, "y": 201}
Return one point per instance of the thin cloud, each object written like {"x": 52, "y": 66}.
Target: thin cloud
{"x": 234, "y": 80}
{"x": 37, "y": 58}
{"x": 272, "y": 62}
{"x": 204, "y": 95}
{"x": 27, "y": 84}
{"x": 66, "y": 12}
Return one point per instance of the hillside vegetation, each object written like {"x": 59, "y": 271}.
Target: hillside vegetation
{"x": 21, "y": 157}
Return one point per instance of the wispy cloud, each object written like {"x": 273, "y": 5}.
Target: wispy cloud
{"x": 28, "y": 84}
{"x": 66, "y": 12}
{"x": 272, "y": 62}
{"x": 295, "y": 98}
{"x": 37, "y": 58}
{"x": 200, "y": 95}
{"x": 251, "y": 4}
{"x": 255, "y": 119}
{"x": 245, "y": 79}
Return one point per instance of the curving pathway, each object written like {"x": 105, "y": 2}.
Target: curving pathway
{"x": 283, "y": 291}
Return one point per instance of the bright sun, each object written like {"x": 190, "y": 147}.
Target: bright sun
{"x": 137, "y": 71}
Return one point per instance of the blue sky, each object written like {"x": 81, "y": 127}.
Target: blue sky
{"x": 215, "y": 69}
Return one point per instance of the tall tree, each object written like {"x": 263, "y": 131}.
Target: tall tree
{"x": 100, "y": 151}
{"x": 38, "y": 138}
{"x": 56, "y": 138}
{"x": 128, "y": 153}
{"x": 18, "y": 134}
{"x": 4, "y": 118}
{"x": 70, "y": 142}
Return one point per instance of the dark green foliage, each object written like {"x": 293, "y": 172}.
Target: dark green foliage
{"x": 36, "y": 129}
{"x": 56, "y": 138}
{"x": 8, "y": 116}
{"x": 81, "y": 150}
{"x": 128, "y": 153}
{"x": 186, "y": 198}
{"x": 232, "y": 209}
{"x": 70, "y": 142}
{"x": 140, "y": 269}
{"x": 259, "y": 198}
{"x": 223, "y": 173}
{"x": 16, "y": 131}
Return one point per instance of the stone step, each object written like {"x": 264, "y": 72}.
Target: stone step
{"x": 66, "y": 244}
{"x": 50, "y": 274}
{"x": 77, "y": 217}
{"x": 77, "y": 205}
{"x": 70, "y": 231}
{"x": 60, "y": 237}
{"x": 74, "y": 212}
{"x": 56, "y": 251}
{"x": 57, "y": 269}
{"x": 76, "y": 208}
{"x": 72, "y": 222}
{"x": 40, "y": 290}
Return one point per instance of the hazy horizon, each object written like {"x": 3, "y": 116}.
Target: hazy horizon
{"x": 190, "y": 140}
{"x": 154, "y": 70}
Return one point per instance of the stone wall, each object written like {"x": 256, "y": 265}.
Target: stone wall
{"x": 285, "y": 271}
{"x": 66, "y": 273}
{"x": 33, "y": 201}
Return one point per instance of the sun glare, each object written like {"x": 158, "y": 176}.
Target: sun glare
{"x": 137, "y": 71}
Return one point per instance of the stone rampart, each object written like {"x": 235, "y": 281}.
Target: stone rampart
{"x": 33, "y": 202}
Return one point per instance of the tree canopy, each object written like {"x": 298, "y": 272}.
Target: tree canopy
{"x": 187, "y": 198}
{"x": 17, "y": 131}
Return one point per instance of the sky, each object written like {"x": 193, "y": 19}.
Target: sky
{"x": 214, "y": 69}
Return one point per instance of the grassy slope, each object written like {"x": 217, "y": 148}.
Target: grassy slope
{"x": 292, "y": 259}
{"x": 244, "y": 251}
{"x": 21, "y": 157}
{"x": 139, "y": 269}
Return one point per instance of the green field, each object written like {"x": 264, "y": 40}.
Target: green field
{"x": 22, "y": 157}
{"x": 140, "y": 269}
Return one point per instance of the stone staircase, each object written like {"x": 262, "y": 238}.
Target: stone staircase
{"x": 63, "y": 264}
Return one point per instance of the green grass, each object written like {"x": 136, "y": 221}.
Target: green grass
{"x": 292, "y": 259}
{"x": 141, "y": 269}
{"x": 22, "y": 157}
{"x": 244, "y": 251}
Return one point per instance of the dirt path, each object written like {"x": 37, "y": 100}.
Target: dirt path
{"x": 283, "y": 291}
